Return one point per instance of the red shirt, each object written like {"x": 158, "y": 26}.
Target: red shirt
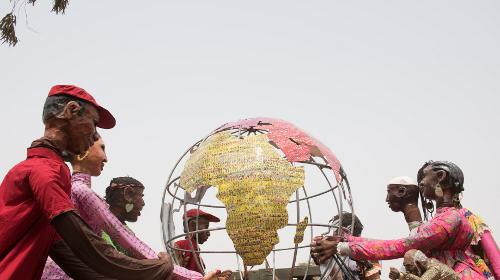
{"x": 32, "y": 193}
{"x": 187, "y": 257}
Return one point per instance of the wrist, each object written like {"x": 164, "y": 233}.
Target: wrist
{"x": 344, "y": 249}
{"x": 415, "y": 224}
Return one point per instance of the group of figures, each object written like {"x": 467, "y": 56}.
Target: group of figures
{"x": 454, "y": 244}
{"x": 47, "y": 211}
{"x": 255, "y": 182}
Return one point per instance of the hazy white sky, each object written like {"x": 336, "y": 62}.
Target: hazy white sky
{"x": 387, "y": 85}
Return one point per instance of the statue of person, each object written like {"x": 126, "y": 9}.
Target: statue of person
{"x": 37, "y": 216}
{"x": 402, "y": 196}
{"x": 448, "y": 236}
{"x": 363, "y": 270}
{"x": 419, "y": 267}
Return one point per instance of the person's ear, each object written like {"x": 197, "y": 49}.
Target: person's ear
{"x": 441, "y": 177}
{"x": 128, "y": 194}
{"x": 401, "y": 191}
{"x": 70, "y": 110}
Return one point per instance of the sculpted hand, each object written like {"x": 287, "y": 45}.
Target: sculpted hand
{"x": 212, "y": 275}
{"x": 315, "y": 256}
{"x": 324, "y": 247}
{"x": 218, "y": 275}
{"x": 225, "y": 275}
{"x": 394, "y": 273}
{"x": 164, "y": 256}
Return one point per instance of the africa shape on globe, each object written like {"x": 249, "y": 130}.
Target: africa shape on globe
{"x": 251, "y": 163}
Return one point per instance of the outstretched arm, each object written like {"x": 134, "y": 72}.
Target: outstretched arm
{"x": 429, "y": 236}
{"x": 62, "y": 255}
{"x": 101, "y": 257}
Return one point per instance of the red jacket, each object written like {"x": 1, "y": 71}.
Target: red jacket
{"x": 32, "y": 193}
{"x": 186, "y": 258}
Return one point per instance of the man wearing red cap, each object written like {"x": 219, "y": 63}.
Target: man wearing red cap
{"x": 36, "y": 210}
{"x": 194, "y": 219}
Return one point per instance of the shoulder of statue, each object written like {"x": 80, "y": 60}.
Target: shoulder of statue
{"x": 432, "y": 262}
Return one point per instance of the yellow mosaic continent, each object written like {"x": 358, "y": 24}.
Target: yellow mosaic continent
{"x": 254, "y": 183}
{"x": 299, "y": 231}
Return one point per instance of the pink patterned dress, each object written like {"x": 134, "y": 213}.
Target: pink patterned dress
{"x": 447, "y": 237}
{"x": 95, "y": 211}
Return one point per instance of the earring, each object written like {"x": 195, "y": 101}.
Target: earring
{"x": 429, "y": 206}
{"x": 438, "y": 190}
{"x": 456, "y": 200}
{"x": 129, "y": 207}
{"x": 82, "y": 157}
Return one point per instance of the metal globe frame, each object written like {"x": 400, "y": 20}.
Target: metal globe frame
{"x": 340, "y": 191}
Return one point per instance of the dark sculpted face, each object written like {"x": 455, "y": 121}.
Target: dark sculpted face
{"x": 203, "y": 223}
{"x": 429, "y": 181}
{"x": 81, "y": 129}
{"x": 134, "y": 195}
{"x": 414, "y": 262}
{"x": 411, "y": 268}
{"x": 395, "y": 197}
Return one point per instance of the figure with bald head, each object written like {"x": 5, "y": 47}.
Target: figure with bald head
{"x": 419, "y": 267}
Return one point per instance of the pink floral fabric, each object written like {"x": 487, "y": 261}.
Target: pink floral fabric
{"x": 95, "y": 211}
{"x": 488, "y": 261}
{"x": 490, "y": 248}
{"x": 446, "y": 237}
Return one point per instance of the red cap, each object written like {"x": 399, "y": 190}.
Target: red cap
{"x": 106, "y": 120}
{"x": 195, "y": 212}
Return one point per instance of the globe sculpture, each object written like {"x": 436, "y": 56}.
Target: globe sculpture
{"x": 260, "y": 169}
